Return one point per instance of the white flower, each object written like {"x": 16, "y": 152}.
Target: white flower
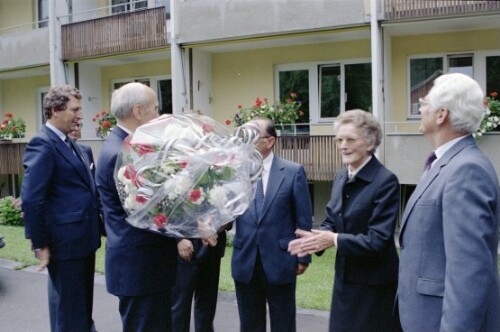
{"x": 217, "y": 197}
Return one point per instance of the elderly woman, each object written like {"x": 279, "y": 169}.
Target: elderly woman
{"x": 360, "y": 223}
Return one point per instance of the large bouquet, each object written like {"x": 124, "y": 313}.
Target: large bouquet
{"x": 187, "y": 175}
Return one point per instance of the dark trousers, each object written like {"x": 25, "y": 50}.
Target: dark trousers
{"x": 71, "y": 294}
{"x": 149, "y": 313}
{"x": 252, "y": 299}
{"x": 201, "y": 279}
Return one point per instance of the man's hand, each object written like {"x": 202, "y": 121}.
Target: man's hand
{"x": 43, "y": 255}
{"x": 185, "y": 249}
{"x": 301, "y": 268}
{"x": 211, "y": 240}
{"x": 311, "y": 242}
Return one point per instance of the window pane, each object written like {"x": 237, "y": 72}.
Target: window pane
{"x": 141, "y": 4}
{"x": 296, "y": 81}
{"x": 120, "y": 9}
{"x": 329, "y": 91}
{"x": 492, "y": 74}
{"x": 165, "y": 96}
{"x": 144, "y": 81}
{"x": 460, "y": 64}
{"x": 358, "y": 86}
{"x": 422, "y": 74}
{"x": 43, "y": 13}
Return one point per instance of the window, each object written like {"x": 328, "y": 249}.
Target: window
{"x": 423, "y": 72}
{"x": 121, "y": 6}
{"x": 492, "y": 74}
{"x": 326, "y": 89}
{"x": 160, "y": 84}
{"x": 43, "y": 13}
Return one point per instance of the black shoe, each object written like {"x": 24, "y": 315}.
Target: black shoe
{"x": 2, "y": 244}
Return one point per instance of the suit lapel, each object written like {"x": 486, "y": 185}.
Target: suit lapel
{"x": 433, "y": 173}
{"x": 67, "y": 154}
{"x": 276, "y": 177}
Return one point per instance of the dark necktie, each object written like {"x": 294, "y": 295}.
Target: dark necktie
{"x": 259, "y": 197}
{"x": 68, "y": 143}
{"x": 428, "y": 163}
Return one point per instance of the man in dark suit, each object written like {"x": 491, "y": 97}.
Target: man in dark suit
{"x": 262, "y": 269}
{"x": 448, "y": 274}
{"x": 198, "y": 270}
{"x": 140, "y": 265}
{"x": 61, "y": 212}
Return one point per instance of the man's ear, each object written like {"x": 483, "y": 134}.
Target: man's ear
{"x": 442, "y": 115}
{"x": 138, "y": 110}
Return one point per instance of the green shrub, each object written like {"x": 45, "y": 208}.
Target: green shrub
{"x": 10, "y": 211}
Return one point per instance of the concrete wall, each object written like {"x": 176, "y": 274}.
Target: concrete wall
{"x": 22, "y": 50}
{"x": 211, "y": 20}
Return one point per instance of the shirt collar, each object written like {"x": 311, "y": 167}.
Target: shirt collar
{"x": 352, "y": 173}
{"x": 266, "y": 163}
{"x": 440, "y": 151}
{"x": 59, "y": 133}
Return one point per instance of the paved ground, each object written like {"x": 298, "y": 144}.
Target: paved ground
{"x": 23, "y": 305}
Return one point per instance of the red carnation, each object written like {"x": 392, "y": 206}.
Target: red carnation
{"x": 183, "y": 164}
{"x": 195, "y": 195}
{"x": 143, "y": 149}
{"x": 141, "y": 199}
{"x": 160, "y": 220}
{"x": 207, "y": 128}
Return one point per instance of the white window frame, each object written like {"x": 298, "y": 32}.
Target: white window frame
{"x": 478, "y": 72}
{"x": 153, "y": 81}
{"x": 314, "y": 88}
{"x": 40, "y": 92}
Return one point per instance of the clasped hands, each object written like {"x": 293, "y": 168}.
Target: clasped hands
{"x": 311, "y": 242}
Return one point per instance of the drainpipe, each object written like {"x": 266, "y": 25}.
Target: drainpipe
{"x": 57, "y": 74}
{"x": 179, "y": 91}
{"x": 377, "y": 72}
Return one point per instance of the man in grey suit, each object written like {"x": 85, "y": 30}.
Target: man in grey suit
{"x": 448, "y": 276}
{"x": 262, "y": 269}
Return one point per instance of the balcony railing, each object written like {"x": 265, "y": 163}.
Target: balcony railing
{"x": 408, "y": 9}
{"x": 11, "y": 157}
{"x": 318, "y": 154}
{"x": 119, "y": 33}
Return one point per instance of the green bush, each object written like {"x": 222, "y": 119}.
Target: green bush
{"x": 10, "y": 211}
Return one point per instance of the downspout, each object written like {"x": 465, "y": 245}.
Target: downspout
{"x": 179, "y": 91}
{"x": 377, "y": 71}
{"x": 57, "y": 73}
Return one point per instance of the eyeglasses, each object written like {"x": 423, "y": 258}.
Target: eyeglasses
{"x": 422, "y": 102}
{"x": 347, "y": 140}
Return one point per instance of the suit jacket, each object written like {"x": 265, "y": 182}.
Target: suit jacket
{"x": 448, "y": 276}
{"x": 137, "y": 262}
{"x": 59, "y": 198}
{"x": 89, "y": 157}
{"x": 364, "y": 213}
{"x": 287, "y": 206}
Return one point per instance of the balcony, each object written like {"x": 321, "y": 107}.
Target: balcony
{"x": 409, "y": 9}
{"x": 11, "y": 156}
{"x": 115, "y": 34}
{"x": 318, "y": 154}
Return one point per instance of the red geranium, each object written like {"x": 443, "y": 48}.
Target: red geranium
{"x": 160, "y": 220}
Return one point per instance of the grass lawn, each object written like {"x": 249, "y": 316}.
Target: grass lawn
{"x": 314, "y": 288}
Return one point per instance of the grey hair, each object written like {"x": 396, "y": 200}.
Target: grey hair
{"x": 58, "y": 97}
{"x": 126, "y": 97}
{"x": 369, "y": 126}
{"x": 462, "y": 97}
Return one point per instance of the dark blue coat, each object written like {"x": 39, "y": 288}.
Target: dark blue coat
{"x": 138, "y": 262}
